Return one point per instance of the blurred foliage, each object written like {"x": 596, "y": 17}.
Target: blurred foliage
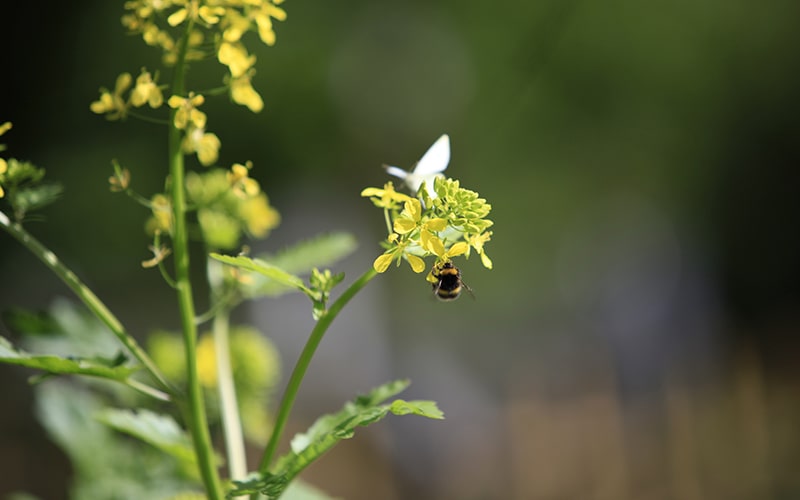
{"x": 670, "y": 128}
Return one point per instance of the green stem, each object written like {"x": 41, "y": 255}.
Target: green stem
{"x": 229, "y": 408}
{"x": 87, "y": 296}
{"x": 301, "y": 366}
{"x": 197, "y": 420}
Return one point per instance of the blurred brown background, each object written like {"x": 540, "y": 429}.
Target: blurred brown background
{"x": 638, "y": 337}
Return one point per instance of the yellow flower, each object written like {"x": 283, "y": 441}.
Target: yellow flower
{"x": 144, "y": 9}
{"x": 112, "y": 104}
{"x": 146, "y": 91}
{"x": 477, "y": 241}
{"x": 187, "y": 112}
{"x": 5, "y": 127}
{"x": 263, "y": 16}
{"x": 416, "y": 263}
{"x": 205, "y": 144}
{"x": 258, "y": 12}
{"x": 386, "y": 197}
{"x": 242, "y": 92}
{"x": 236, "y": 58}
{"x": 409, "y": 218}
{"x": 162, "y": 213}
{"x": 259, "y": 216}
{"x": 383, "y": 261}
{"x": 243, "y": 186}
{"x": 3, "y": 170}
{"x": 206, "y": 13}
{"x": 235, "y": 26}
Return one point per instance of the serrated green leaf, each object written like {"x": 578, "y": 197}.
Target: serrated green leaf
{"x": 320, "y": 251}
{"x": 419, "y": 407}
{"x": 296, "y": 490}
{"x": 330, "y": 429}
{"x": 27, "y": 199}
{"x": 111, "y": 368}
{"x": 105, "y": 464}
{"x": 160, "y": 431}
{"x": 382, "y": 392}
{"x": 301, "y": 258}
{"x": 268, "y": 484}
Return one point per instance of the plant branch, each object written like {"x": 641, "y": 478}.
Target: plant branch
{"x": 196, "y": 418}
{"x": 303, "y": 362}
{"x": 88, "y": 297}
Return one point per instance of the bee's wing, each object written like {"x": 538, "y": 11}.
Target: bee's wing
{"x": 435, "y": 159}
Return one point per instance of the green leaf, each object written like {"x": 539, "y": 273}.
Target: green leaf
{"x": 24, "y": 321}
{"x": 302, "y": 258}
{"x": 105, "y": 464}
{"x": 264, "y": 268}
{"x": 111, "y": 368}
{"x": 26, "y": 199}
{"x": 267, "y": 484}
{"x": 297, "y": 490}
{"x": 330, "y": 429}
{"x": 160, "y": 431}
{"x": 320, "y": 251}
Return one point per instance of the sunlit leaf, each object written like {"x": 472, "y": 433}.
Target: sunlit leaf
{"x": 264, "y": 268}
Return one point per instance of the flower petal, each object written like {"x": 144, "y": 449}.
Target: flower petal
{"x": 416, "y": 263}
{"x": 381, "y": 264}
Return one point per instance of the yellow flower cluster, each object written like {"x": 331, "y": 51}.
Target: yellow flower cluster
{"x": 230, "y": 18}
{"x": 447, "y": 226}
{"x": 230, "y": 204}
{"x": 115, "y": 105}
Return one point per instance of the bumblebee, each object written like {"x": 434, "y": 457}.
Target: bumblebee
{"x": 448, "y": 283}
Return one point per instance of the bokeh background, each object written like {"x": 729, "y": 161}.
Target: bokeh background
{"x": 638, "y": 337}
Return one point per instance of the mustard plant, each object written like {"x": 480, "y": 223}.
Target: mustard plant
{"x": 225, "y": 373}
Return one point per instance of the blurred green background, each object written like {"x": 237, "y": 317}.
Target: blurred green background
{"x": 638, "y": 337}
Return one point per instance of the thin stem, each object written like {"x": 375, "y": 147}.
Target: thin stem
{"x": 147, "y": 390}
{"x": 197, "y": 420}
{"x": 161, "y": 267}
{"x": 301, "y": 366}
{"x": 145, "y": 118}
{"x": 388, "y": 221}
{"x": 229, "y": 408}
{"x": 88, "y": 297}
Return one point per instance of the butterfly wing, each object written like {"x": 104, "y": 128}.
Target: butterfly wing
{"x": 433, "y": 162}
{"x": 435, "y": 159}
{"x": 396, "y": 171}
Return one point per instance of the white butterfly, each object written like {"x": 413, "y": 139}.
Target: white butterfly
{"x": 429, "y": 167}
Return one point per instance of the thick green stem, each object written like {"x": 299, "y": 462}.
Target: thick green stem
{"x": 197, "y": 420}
{"x": 87, "y": 296}
{"x": 229, "y": 408}
{"x": 301, "y": 366}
